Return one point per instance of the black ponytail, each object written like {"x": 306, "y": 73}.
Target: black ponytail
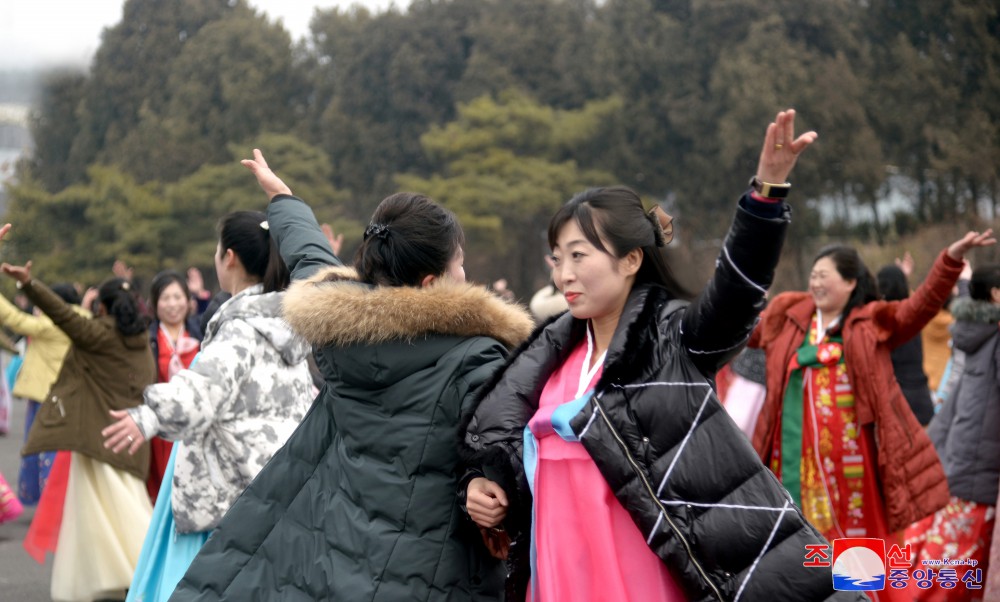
{"x": 119, "y": 301}
{"x": 410, "y": 237}
{"x": 248, "y": 235}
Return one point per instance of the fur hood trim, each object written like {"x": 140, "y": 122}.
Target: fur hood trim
{"x": 967, "y": 309}
{"x": 334, "y": 308}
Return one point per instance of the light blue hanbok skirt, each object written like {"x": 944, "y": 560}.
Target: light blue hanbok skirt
{"x": 166, "y": 554}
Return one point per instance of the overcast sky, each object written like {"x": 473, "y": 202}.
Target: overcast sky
{"x": 48, "y": 33}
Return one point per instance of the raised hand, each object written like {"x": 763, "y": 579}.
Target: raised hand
{"x": 781, "y": 148}
{"x": 20, "y": 273}
{"x": 122, "y": 270}
{"x": 272, "y": 184}
{"x": 196, "y": 283}
{"x": 960, "y": 247}
{"x": 966, "y": 270}
{"x": 336, "y": 241}
{"x": 89, "y": 296}
{"x": 905, "y": 264}
{"x": 124, "y": 434}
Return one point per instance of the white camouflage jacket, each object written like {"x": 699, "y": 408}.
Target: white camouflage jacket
{"x": 232, "y": 409}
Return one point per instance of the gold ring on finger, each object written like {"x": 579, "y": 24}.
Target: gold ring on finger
{"x": 779, "y": 146}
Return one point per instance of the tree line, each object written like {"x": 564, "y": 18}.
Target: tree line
{"x": 501, "y": 110}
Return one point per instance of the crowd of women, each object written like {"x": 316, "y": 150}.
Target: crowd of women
{"x": 440, "y": 445}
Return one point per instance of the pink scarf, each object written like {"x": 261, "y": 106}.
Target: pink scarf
{"x": 184, "y": 345}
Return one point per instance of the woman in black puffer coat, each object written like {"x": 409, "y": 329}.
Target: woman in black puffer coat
{"x": 665, "y": 499}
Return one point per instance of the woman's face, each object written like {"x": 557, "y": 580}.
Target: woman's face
{"x": 172, "y": 306}
{"x": 829, "y": 289}
{"x": 594, "y": 283}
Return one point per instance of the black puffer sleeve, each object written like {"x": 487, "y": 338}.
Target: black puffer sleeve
{"x": 719, "y": 322}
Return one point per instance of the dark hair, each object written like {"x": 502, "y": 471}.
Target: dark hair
{"x": 410, "y": 237}
{"x": 892, "y": 283}
{"x": 160, "y": 283}
{"x": 247, "y": 234}
{"x": 118, "y": 299}
{"x": 850, "y": 267}
{"x": 67, "y": 292}
{"x": 984, "y": 280}
{"x": 616, "y": 215}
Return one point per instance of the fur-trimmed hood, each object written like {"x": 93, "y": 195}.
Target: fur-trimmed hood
{"x": 975, "y": 323}
{"x": 334, "y": 308}
{"x": 968, "y": 309}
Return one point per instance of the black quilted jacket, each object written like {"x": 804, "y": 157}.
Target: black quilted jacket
{"x": 689, "y": 478}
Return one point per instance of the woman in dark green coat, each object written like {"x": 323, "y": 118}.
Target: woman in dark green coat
{"x": 360, "y": 503}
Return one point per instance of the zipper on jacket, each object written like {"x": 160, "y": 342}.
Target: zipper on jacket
{"x": 656, "y": 500}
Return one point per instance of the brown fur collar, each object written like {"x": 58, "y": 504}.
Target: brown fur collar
{"x": 334, "y": 308}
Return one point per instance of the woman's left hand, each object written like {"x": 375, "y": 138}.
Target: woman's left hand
{"x": 336, "y": 240}
{"x": 781, "y": 148}
{"x": 268, "y": 180}
{"x": 123, "y": 434}
{"x": 960, "y": 247}
{"x": 21, "y": 273}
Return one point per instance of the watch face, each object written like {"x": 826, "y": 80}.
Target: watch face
{"x": 771, "y": 191}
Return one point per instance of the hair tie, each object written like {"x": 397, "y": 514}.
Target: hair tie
{"x": 125, "y": 285}
{"x": 663, "y": 225}
{"x": 264, "y": 225}
{"x": 376, "y": 230}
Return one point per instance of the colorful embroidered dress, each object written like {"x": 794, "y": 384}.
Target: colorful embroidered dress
{"x": 822, "y": 456}
{"x": 962, "y": 532}
{"x": 585, "y": 545}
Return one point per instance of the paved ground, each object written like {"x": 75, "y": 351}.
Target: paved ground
{"x": 21, "y": 578}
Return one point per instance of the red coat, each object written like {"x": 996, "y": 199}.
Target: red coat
{"x": 912, "y": 479}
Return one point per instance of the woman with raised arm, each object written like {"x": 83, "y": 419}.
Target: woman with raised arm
{"x": 228, "y": 413}
{"x": 360, "y": 503}
{"x": 43, "y": 359}
{"x": 106, "y": 508}
{"x": 835, "y": 426}
{"x": 601, "y": 449}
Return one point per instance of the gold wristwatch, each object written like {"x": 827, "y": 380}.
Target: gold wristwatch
{"x": 771, "y": 191}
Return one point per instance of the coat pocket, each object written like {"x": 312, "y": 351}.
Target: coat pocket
{"x": 52, "y": 412}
